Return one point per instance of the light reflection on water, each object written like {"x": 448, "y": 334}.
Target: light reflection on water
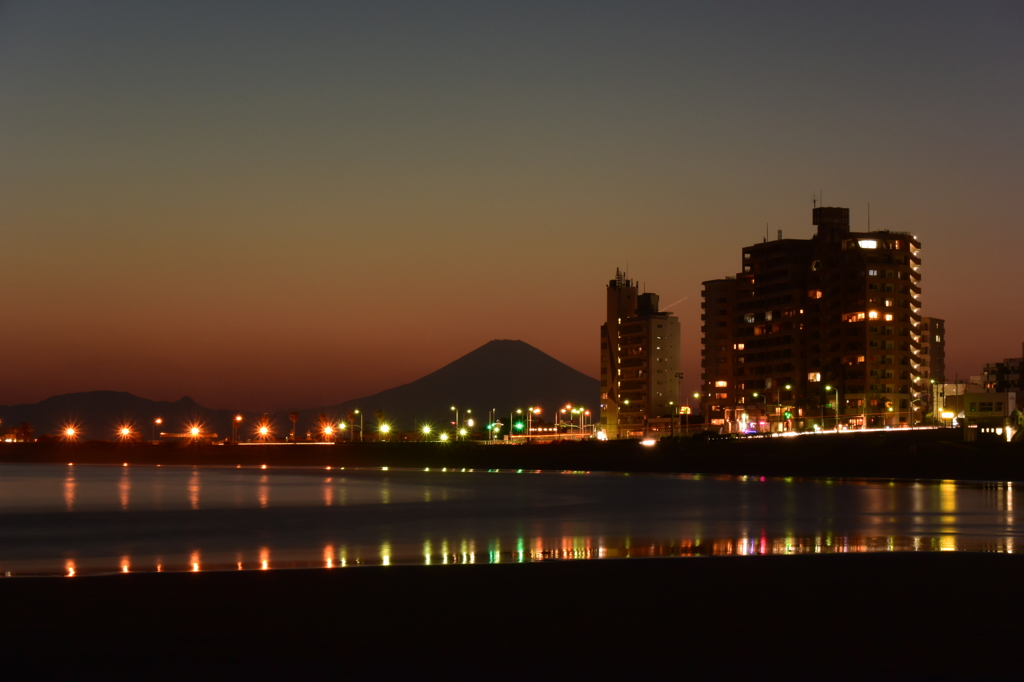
{"x": 80, "y": 520}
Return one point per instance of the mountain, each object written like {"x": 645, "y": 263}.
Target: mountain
{"x": 503, "y": 375}
{"x": 99, "y": 414}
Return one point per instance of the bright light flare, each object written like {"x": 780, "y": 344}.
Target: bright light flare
{"x": 70, "y": 432}
{"x": 648, "y": 442}
{"x": 444, "y": 437}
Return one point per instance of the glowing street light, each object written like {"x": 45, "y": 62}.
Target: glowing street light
{"x": 328, "y": 432}
{"x": 425, "y": 430}
{"x": 124, "y": 433}
{"x": 444, "y": 437}
{"x": 156, "y": 422}
{"x": 70, "y": 433}
{"x": 384, "y": 430}
{"x": 263, "y": 431}
{"x": 462, "y": 433}
{"x": 836, "y": 389}
{"x": 234, "y": 427}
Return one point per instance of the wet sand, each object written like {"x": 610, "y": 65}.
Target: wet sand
{"x": 888, "y": 616}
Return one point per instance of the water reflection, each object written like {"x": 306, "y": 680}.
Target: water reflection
{"x": 193, "y": 489}
{"x": 463, "y": 550}
{"x": 124, "y": 488}
{"x": 263, "y": 491}
{"x": 455, "y": 517}
{"x": 69, "y": 489}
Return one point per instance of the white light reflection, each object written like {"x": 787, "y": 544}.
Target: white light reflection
{"x": 263, "y": 491}
{"x": 69, "y": 489}
{"x": 193, "y": 489}
{"x": 124, "y": 488}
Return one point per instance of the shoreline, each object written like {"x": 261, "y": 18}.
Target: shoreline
{"x": 892, "y": 616}
{"x": 914, "y": 455}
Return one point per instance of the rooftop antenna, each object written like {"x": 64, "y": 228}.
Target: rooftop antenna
{"x": 869, "y": 216}
{"x": 814, "y": 200}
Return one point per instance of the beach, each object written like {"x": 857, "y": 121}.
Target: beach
{"x": 890, "y": 616}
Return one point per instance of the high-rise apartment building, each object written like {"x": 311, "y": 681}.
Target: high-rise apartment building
{"x": 933, "y": 360}
{"x": 639, "y": 361}
{"x": 816, "y": 332}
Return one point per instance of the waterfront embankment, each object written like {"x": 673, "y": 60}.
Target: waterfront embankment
{"x": 920, "y": 454}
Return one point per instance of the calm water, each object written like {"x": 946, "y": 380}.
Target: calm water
{"x": 74, "y": 520}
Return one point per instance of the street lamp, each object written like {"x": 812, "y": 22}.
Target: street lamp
{"x": 512, "y": 424}
{"x": 383, "y": 430}
{"x": 456, "y": 411}
{"x": 778, "y": 404}
{"x": 156, "y": 422}
{"x": 328, "y": 432}
{"x": 234, "y": 427}
{"x": 425, "y": 431}
{"x": 836, "y": 389}
{"x": 360, "y": 425}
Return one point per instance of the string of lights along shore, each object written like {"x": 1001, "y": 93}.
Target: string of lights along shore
{"x": 824, "y": 333}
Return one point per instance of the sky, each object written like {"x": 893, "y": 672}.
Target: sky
{"x": 267, "y": 205}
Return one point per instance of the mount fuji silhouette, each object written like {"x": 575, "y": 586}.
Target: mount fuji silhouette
{"x": 502, "y": 375}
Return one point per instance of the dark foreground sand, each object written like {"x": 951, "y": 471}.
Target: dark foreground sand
{"x": 873, "y": 616}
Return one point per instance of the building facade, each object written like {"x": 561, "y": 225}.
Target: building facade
{"x": 639, "y": 361}
{"x": 933, "y": 361}
{"x": 816, "y": 332}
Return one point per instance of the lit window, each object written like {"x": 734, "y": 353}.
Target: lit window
{"x": 873, "y": 315}
{"x": 814, "y": 293}
{"x": 749, "y": 318}
{"x": 867, "y": 243}
{"x": 888, "y": 318}
{"x": 872, "y": 273}
{"x": 738, "y": 346}
{"x": 938, "y": 339}
{"x": 721, "y": 384}
{"x": 814, "y": 376}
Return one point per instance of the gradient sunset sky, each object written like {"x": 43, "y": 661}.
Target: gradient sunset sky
{"x": 271, "y": 205}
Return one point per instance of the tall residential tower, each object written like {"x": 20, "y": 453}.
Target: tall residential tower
{"x": 820, "y": 331}
{"x": 639, "y": 361}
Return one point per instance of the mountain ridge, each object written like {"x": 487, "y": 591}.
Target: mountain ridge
{"x": 502, "y": 374}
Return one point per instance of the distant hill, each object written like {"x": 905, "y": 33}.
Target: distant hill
{"x": 502, "y": 375}
{"x": 99, "y": 414}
